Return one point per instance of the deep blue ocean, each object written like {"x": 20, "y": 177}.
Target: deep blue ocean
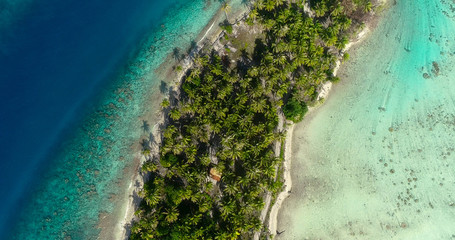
{"x": 73, "y": 77}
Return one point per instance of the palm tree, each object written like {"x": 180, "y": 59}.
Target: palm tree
{"x": 153, "y": 199}
{"x": 172, "y": 214}
{"x": 170, "y": 131}
{"x": 149, "y": 166}
{"x": 258, "y": 106}
{"x": 270, "y": 5}
{"x": 253, "y": 14}
{"x": 194, "y": 220}
{"x": 259, "y": 4}
{"x": 368, "y": 6}
{"x": 165, "y": 103}
{"x": 226, "y": 9}
{"x": 279, "y": 2}
{"x": 175, "y": 114}
{"x": 320, "y": 9}
{"x": 178, "y": 148}
{"x": 337, "y": 10}
{"x": 231, "y": 189}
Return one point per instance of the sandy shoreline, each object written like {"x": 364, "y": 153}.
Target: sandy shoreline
{"x": 323, "y": 94}
{"x": 209, "y": 36}
{"x": 287, "y": 180}
{"x": 325, "y": 88}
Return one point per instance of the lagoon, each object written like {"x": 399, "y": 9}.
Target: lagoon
{"x": 376, "y": 160}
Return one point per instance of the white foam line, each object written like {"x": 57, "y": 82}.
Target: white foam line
{"x": 206, "y": 32}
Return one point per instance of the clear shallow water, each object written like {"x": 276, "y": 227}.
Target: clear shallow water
{"x": 69, "y": 115}
{"x": 377, "y": 160}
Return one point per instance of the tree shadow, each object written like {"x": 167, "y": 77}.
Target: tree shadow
{"x": 163, "y": 87}
{"x": 225, "y": 23}
{"x": 259, "y": 50}
{"x": 193, "y": 45}
{"x": 145, "y": 126}
{"x": 213, "y": 56}
{"x": 243, "y": 63}
{"x": 176, "y": 53}
{"x": 137, "y": 200}
{"x": 145, "y": 144}
{"x": 152, "y": 139}
{"x": 226, "y": 61}
{"x": 173, "y": 100}
{"x": 173, "y": 96}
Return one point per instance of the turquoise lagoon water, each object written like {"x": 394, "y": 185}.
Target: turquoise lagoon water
{"x": 377, "y": 160}
{"x": 77, "y": 81}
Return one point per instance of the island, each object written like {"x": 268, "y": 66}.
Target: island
{"x": 219, "y": 167}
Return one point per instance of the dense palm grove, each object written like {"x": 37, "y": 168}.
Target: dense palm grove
{"x": 225, "y": 123}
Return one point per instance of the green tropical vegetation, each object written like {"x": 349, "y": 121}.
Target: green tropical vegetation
{"x": 226, "y": 121}
{"x": 294, "y": 110}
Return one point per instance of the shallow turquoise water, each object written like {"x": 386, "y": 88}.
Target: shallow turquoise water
{"x": 377, "y": 161}
{"x": 87, "y": 174}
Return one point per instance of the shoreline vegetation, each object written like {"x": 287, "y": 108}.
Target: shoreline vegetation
{"x": 217, "y": 166}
